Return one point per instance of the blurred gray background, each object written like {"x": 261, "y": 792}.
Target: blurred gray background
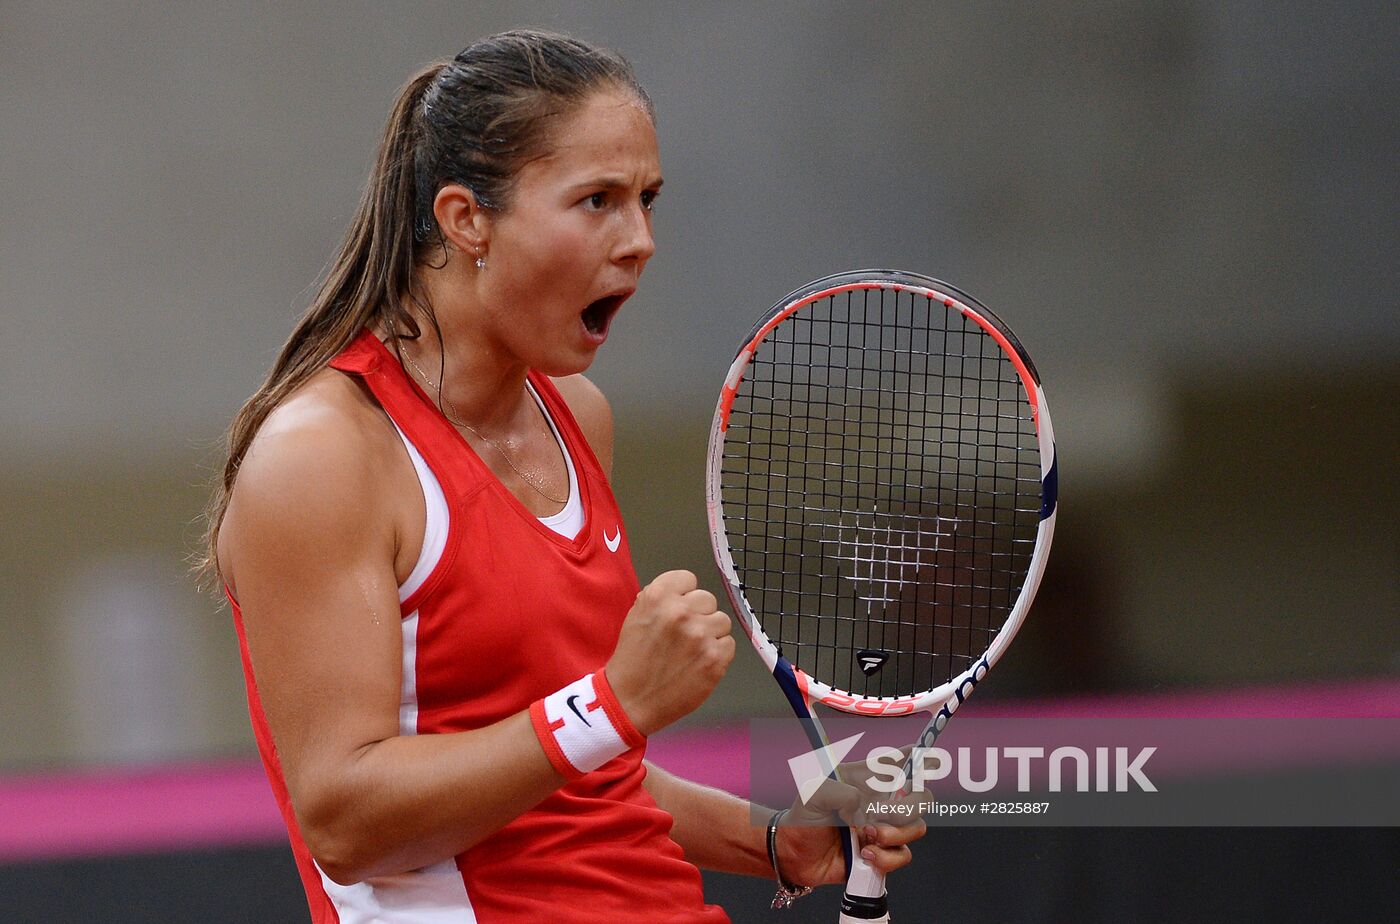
{"x": 1187, "y": 211}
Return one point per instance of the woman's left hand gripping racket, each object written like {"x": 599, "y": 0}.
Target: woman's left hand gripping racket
{"x": 881, "y": 486}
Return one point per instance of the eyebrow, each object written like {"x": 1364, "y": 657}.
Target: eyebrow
{"x": 616, "y": 183}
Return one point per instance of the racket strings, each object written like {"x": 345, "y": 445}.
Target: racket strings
{"x": 880, "y": 479}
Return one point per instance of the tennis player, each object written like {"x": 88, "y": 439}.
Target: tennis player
{"x": 452, "y": 669}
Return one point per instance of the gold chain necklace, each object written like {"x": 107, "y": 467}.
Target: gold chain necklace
{"x": 455, "y": 419}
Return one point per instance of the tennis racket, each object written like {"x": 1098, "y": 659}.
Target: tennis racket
{"x": 881, "y": 490}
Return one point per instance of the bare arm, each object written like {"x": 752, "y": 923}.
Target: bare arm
{"x": 310, "y": 540}
{"x": 713, "y": 827}
{"x": 316, "y": 586}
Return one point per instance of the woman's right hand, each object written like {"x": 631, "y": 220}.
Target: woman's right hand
{"x": 674, "y": 647}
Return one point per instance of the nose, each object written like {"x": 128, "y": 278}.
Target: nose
{"x": 636, "y": 241}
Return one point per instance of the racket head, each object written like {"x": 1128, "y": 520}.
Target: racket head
{"x": 881, "y": 487}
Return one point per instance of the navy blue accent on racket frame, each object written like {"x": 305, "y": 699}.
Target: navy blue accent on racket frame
{"x": 787, "y": 681}
{"x": 1050, "y": 489}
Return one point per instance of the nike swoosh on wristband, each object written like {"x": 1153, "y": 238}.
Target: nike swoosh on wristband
{"x": 574, "y": 706}
{"x": 613, "y": 541}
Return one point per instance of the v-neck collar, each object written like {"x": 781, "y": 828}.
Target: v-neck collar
{"x": 579, "y": 541}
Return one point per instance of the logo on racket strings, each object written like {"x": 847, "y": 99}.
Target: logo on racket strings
{"x": 871, "y": 660}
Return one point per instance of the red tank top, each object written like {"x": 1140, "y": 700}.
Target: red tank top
{"x": 512, "y": 612}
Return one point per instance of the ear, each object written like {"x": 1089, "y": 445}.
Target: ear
{"x": 460, "y": 218}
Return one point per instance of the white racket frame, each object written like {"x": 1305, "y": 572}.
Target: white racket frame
{"x": 942, "y": 701}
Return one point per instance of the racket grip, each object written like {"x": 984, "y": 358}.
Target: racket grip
{"x": 864, "y": 901}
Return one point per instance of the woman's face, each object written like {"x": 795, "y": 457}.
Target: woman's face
{"x": 566, "y": 254}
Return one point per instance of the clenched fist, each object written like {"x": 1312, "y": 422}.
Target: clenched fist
{"x": 674, "y": 647}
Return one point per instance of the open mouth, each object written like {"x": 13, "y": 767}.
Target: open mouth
{"x": 599, "y": 314}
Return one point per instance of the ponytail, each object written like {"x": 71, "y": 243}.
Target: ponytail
{"x": 369, "y": 283}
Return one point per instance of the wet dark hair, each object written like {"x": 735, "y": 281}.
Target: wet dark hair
{"x": 474, "y": 120}
{"x": 488, "y": 111}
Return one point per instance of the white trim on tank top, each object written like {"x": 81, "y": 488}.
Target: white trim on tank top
{"x": 435, "y": 521}
{"x": 569, "y": 521}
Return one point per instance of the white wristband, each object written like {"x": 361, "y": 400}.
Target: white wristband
{"x": 582, "y": 726}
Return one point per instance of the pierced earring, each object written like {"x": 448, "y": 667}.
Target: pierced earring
{"x": 480, "y": 262}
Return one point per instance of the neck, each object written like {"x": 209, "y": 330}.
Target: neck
{"x": 482, "y": 382}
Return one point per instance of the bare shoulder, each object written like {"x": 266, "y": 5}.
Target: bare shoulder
{"x": 329, "y": 426}
{"x": 313, "y": 472}
{"x": 593, "y": 413}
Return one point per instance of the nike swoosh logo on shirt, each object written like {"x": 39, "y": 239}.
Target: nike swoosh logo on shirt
{"x": 612, "y": 541}
{"x": 574, "y": 706}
